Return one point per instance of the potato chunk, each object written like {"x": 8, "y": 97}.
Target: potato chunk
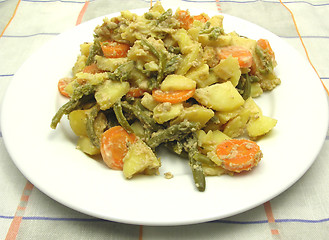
{"x": 140, "y": 159}
{"x": 229, "y": 70}
{"x": 196, "y": 113}
{"x": 110, "y": 92}
{"x": 260, "y": 126}
{"x": 166, "y": 111}
{"x": 219, "y": 97}
{"x": 85, "y": 145}
{"x": 177, "y": 82}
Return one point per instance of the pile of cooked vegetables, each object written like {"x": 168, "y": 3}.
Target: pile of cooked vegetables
{"x": 171, "y": 79}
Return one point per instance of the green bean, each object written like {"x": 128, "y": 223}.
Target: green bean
{"x": 141, "y": 115}
{"x": 213, "y": 33}
{"x": 247, "y": 88}
{"x": 198, "y": 175}
{"x": 196, "y": 165}
{"x": 68, "y": 107}
{"x": 174, "y": 132}
{"x": 266, "y": 62}
{"x": 121, "y": 118}
{"x": 164, "y": 16}
{"x": 160, "y": 56}
{"x": 203, "y": 159}
{"x": 83, "y": 90}
{"x": 95, "y": 49}
{"x": 90, "y": 125}
{"x": 172, "y": 65}
{"x": 65, "y": 109}
{"x": 122, "y": 73}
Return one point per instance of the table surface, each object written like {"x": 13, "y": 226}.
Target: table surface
{"x": 301, "y": 212}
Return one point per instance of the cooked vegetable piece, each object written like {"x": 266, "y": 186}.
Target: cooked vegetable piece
{"x": 148, "y": 101}
{"x": 260, "y": 126}
{"x": 176, "y": 83}
{"x": 209, "y": 141}
{"x": 62, "y": 84}
{"x": 195, "y": 113}
{"x": 92, "y": 68}
{"x": 219, "y": 96}
{"x": 174, "y": 132}
{"x": 112, "y": 49}
{"x": 117, "y": 108}
{"x": 114, "y": 146}
{"x": 78, "y": 122}
{"x": 109, "y": 64}
{"x": 95, "y": 49}
{"x": 135, "y": 92}
{"x": 91, "y": 116}
{"x": 172, "y": 96}
{"x": 110, "y": 92}
{"x": 265, "y": 45}
{"x": 196, "y": 166}
{"x": 239, "y": 154}
{"x": 199, "y": 74}
{"x": 85, "y": 145}
{"x": 140, "y": 159}
{"x": 184, "y": 18}
{"x": 229, "y": 70}
{"x": 141, "y": 115}
{"x": 201, "y": 17}
{"x": 164, "y": 112}
{"x": 73, "y": 104}
{"x": 244, "y": 55}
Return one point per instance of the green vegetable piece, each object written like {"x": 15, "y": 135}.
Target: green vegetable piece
{"x": 141, "y": 115}
{"x": 95, "y": 49}
{"x": 160, "y": 56}
{"x": 121, "y": 118}
{"x": 164, "y": 16}
{"x": 196, "y": 166}
{"x": 91, "y": 116}
{"x": 68, "y": 107}
{"x": 172, "y": 133}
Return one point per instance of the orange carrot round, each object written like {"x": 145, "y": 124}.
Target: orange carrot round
{"x": 112, "y": 49}
{"x": 201, "y": 17}
{"x": 62, "y": 83}
{"x": 239, "y": 154}
{"x": 172, "y": 96}
{"x": 243, "y": 54}
{"x": 114, "y": 146}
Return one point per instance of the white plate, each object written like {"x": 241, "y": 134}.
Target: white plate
{"x": 48, "y": 158}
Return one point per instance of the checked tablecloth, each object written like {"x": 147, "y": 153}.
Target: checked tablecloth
{"x": 301, "y": 212}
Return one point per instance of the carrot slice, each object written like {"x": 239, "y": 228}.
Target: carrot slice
{"x": 265, "y": 45}
{"x": 239, "y": 154}
{"x": 201, "y": 17}
{"x": 114, "y": 146}
{"x": 92, "y": 68}
{"x": 62, "y": 83}
{"x": 135, "y": 92}
{"x": 112, "y": 49}
{"x": 243, "y": 54}
{"x": 185, "y": 19}
{"x": 172, "y": 96}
